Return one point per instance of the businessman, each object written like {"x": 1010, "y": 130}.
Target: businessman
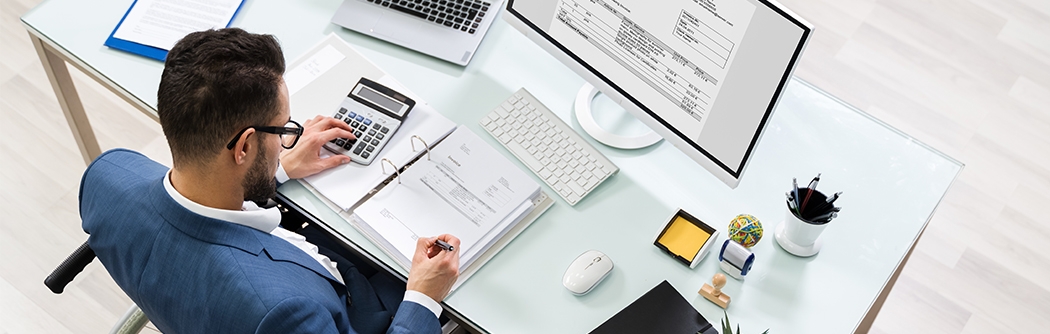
{"x": 189, "y": 244}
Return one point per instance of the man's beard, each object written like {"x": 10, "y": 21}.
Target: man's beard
{"x": 259, "y": 184}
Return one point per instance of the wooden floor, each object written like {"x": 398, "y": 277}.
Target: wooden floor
{"x": 969, "y": 77}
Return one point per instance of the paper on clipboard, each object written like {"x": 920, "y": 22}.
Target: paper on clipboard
{"x": 162, "y": 23}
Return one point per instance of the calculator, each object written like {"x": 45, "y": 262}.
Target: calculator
{"x": 374, "y": 112}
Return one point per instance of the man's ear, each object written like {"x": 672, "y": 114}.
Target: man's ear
{"x": 244, "y": 146}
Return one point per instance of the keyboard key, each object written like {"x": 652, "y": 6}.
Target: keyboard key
{"x": 365, "y": 155}
{"x": 342, "y": 111}
{"x": 380, "y": 136}
{"x": 369, "y": 148}
{"x": 367, "y": 121}
{"x": 367, "y": 139}
{"x": 351, "y": 114}
{"x": 348, "y": 145}
{"x": 384, "y": 129}
{"x": 572, "y": 198}
{"x": 358, "y": 150}
{"x": 375, "y": 141}
{"x": 371, "y": 132}
{"x": 591, "y": 182}
{"x": 544, "y": 174}
{"x": 401, "y": 8}
{"x": 576, "y": 188}
{"x": 340, "y": 142}
{"x": 357, "y": 133}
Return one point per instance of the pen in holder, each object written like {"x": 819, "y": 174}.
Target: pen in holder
{"x": 807, "y": 214}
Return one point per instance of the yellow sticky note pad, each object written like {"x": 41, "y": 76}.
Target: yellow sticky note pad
{"x": 685, "y": 237}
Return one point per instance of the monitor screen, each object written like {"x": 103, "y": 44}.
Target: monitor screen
{"x": 706, "y": 73}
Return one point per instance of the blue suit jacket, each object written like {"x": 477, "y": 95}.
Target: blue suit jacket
{"x": 193, "y": 274}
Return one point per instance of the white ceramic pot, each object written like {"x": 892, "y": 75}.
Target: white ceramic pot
{"x": 799, "y": 237}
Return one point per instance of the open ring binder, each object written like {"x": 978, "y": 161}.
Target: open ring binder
{"x": 421, "y": 141}
{"x": 395, "y": 168}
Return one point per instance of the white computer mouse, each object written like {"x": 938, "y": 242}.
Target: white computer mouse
{"x": 589, "y": 269}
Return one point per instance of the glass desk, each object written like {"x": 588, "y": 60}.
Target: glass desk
{"x": 892, "y": 183}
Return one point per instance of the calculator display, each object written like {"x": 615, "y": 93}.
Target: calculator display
{"x": 381, "y": 100}
{"x": 374, "y": 113}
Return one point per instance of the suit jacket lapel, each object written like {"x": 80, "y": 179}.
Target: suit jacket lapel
{"x": 226, "y": 233}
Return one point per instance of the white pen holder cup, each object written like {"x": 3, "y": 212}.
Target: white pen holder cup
{"x": 799, "y": 237}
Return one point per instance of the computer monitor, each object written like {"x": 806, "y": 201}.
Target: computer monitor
{"x": 705, "y": 75}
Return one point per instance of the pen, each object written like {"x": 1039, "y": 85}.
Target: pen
{"x": 825, "y": 218}
{"x": 812, "y": 187}
{"x": 794, "y": 193}
{"x": 444, "y": 245}
{"x": 831, "y": 200}
{"x": 813, "y": 184}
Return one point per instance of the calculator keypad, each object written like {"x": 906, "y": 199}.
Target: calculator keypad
{"x": 371, "y": 129}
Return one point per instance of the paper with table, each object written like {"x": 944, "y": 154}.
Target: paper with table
{"x": 152, "y": 27}
{"x": 461, "y": 186}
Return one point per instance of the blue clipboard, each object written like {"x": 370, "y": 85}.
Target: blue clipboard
{"x": 146, "y": 50}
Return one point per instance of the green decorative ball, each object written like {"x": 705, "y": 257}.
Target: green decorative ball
{"x": 745, "y": 230}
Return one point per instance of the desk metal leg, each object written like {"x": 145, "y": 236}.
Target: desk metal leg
{"x": 68, "y": 99}
{"x": 869, "y": 319}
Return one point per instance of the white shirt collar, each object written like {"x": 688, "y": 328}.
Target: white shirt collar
{"x": 251, "y": 215}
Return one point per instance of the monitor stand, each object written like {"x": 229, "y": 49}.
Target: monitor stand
{"x": 584, "y": 115}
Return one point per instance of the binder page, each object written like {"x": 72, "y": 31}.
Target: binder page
{"x": 161, "y": 23}
{"x": 465, "y": 188}
{"x": 345, "y": 185}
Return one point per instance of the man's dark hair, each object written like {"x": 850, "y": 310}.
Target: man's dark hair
{"x": 214, "y": 84}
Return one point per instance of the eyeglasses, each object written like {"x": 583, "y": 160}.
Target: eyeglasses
{"x": 289, "y": 133}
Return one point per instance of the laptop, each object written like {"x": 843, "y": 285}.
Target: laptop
{"x": 449, "y": 30}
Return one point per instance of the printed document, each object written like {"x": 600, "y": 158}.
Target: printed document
{"x": 162, "y": 23}
{"x": 463, "y": 187}
{"x": 673, "y": 54}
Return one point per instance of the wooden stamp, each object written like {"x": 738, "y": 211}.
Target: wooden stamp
{"x": 714, "y": 293}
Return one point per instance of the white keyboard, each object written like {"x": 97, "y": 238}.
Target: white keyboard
{"x": 548, "y": 146}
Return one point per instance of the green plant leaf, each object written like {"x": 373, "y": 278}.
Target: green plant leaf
{"x": 726, "y": 326}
